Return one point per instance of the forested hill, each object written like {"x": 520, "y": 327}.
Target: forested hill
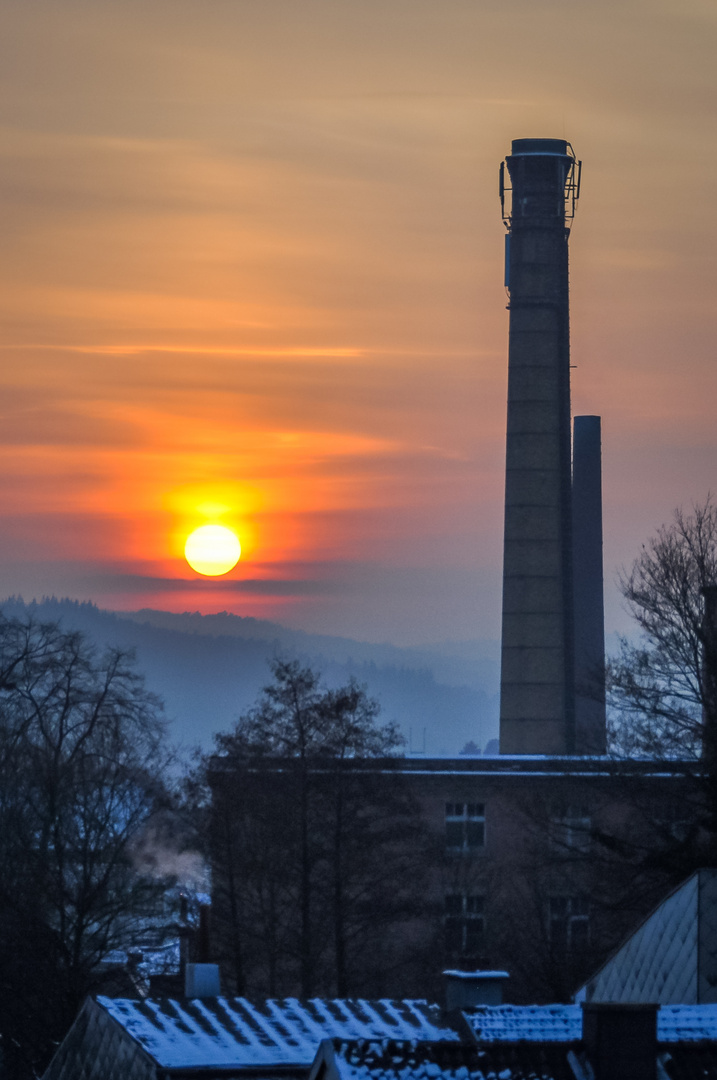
{"x": 209, "y": 668}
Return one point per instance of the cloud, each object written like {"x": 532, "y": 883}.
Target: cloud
{"x": 275, "y": 586}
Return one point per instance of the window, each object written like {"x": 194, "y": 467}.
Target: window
{"x": 464, "y": 924}
{"x": 465, "y": 826}
{"x": 571, "y": 829}
{"x": 569, "y": 922}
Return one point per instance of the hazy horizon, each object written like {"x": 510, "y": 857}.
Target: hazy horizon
{"x": 210, "y": 668}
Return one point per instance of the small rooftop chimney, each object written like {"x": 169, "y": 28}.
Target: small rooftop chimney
{"x": 466, "y": 989}
{"x": 203, "y": 947}
{"x": 620, "y": 1040}
{"x": 202, "y": 979}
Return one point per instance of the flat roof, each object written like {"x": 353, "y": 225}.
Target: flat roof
{"x": 504, "y": 765}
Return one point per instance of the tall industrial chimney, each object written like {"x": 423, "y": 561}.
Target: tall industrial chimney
{"x": 537, "y": 707}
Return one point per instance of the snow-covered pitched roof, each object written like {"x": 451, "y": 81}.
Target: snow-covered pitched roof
{"x": 533, "y": 1023}
{"x": 564, "y": 1023}
{"x": 671, "y": 957}
{"x": 387, "y": 1059}
{"x": 686, "y": 1023}
{"x": 233, "y": 1032}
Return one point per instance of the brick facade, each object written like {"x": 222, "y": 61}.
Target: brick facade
{"x": 524, "y": 863}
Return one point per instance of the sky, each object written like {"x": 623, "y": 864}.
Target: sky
{"x": 251, "y": 274}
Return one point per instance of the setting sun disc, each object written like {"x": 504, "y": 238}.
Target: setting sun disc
{"x": 212, "y": 550}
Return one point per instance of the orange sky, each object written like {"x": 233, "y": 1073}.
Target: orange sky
{"x": 252, "y": 273}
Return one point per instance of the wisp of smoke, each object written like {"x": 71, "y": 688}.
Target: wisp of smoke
{"x": 153, "y": 858}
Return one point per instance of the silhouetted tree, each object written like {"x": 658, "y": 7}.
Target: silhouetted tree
{"x": 308, "y": 848}
{"x": 662, "y": 688}
{"x": 81, "y": 763}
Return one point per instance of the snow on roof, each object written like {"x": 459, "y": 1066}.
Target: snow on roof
{"x": 476, "y": 975}
{"x": 390, "y": 1060}
{"x": 534, "y": 1023}
{"x": 564, "y": 1023}
{"x": 686, "y": 1023}
{"x": 226, "y": 1032}
{"x": 660, "y": 960}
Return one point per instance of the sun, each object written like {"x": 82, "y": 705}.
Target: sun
{"x": 212, "y": 550}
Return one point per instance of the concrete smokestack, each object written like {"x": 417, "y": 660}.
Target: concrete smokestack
{"x": 590, "y": 727}
{"x": 537, "y": 708}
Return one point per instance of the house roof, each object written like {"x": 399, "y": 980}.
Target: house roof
{"x": 235, "y": 1033}
{"x": 502, "y": 765}
{"x": 672, "y": 955}
{"x": 230, "y": 1038}
{"x": 534, "y": 1023}
{"x": 387, "y": 1059}
{"x": 564, "y": 1023}
{"x": 686, "y": 1023}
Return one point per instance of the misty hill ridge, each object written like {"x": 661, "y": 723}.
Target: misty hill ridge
{"x": 210, "y": 668}
{"x": 457, "y": 663}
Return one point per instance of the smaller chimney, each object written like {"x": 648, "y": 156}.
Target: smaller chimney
{"x": 201, "y": 981}
{"x": 620, "y": 1040}
{"x": 466, "y": 989}
{"x": 203, "y": 948}
{"x": 184, "y": 932}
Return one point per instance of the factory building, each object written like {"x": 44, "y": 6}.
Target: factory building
{"x": 527, "y": 860}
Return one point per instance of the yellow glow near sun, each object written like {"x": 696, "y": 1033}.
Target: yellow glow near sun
{"x": 212, "y": 550}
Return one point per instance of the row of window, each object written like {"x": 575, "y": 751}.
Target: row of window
{"x": 464, "y": 923}
{"x": 465, "y": 827}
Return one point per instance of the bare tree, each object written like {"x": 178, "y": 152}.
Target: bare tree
{"x": 82, "y": 754}
{"x": 662, "y": 688}
{"x": 307, "y": 845}
{"x": 661, "y": 693}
